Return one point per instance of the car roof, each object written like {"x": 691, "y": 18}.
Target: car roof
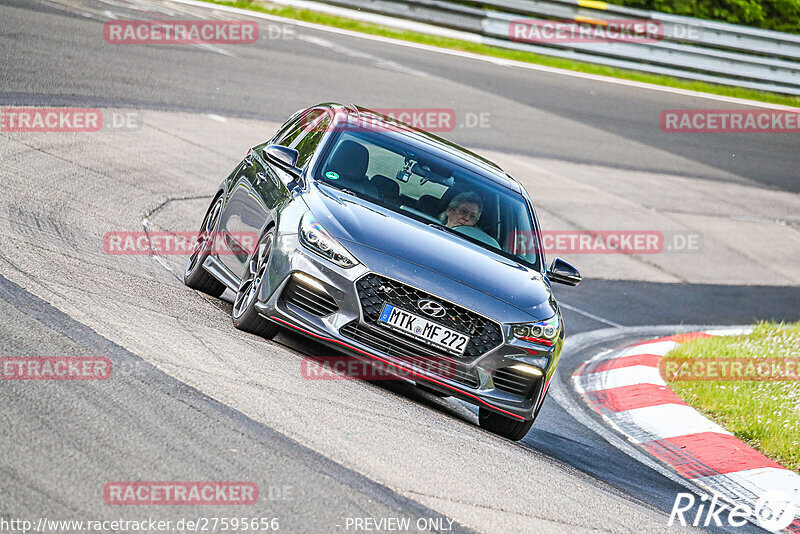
{"x": 479, "y": 164}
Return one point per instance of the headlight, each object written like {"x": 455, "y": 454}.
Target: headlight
{"x": 315, "y": 238}
{"x": 543, "y": 332}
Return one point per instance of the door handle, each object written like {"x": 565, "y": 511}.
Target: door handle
{"x": 260, "y": 177}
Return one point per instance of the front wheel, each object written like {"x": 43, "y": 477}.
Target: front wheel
{"x": 502, "y": 425}
{"x": 245, "y": 315}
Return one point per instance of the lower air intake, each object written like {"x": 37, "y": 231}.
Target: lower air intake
{"x": 308, "y": 299}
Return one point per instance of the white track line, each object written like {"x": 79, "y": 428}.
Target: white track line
{"x": 590, "y": 315}
{"x": 624, "y": 376}
{"x": 762, "y": 480}
{"x": 666, "y": 421}
{"x": 660, "y": 348}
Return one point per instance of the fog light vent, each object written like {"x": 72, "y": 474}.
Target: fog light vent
{"x": 516, "y": 381}
{"x": 309, "y": 295}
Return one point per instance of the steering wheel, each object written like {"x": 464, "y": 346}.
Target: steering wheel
{"x": 476, "y": 233}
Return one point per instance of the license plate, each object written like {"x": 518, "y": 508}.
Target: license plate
{"x": 423, "y": 329}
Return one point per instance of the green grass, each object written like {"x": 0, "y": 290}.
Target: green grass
{"x": 528, "y": 57}
{"x": 764, "y": 414}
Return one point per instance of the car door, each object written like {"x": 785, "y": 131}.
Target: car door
{"x": 263, "y": 187}
{"x": 255, "y": 192}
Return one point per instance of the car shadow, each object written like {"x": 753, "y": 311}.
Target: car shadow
{"x": 321, "y": 353}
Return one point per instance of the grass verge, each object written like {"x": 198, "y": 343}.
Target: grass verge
{"x": 765, "y": 414}
{"x": 528, "y": 57}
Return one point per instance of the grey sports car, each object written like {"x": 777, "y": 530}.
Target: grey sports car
{"x": 394, "y": 246}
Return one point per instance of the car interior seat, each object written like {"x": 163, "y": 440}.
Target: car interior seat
{"x": 429, "y": 204}
{"x": 388, "y": 189}
{"x": 350, "y": 162}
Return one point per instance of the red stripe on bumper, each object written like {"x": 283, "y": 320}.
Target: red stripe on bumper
{"x": 405, "y": 370}
{"x": 631, "y": 397}
{"x": 707, "y": 454}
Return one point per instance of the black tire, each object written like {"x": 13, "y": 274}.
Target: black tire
{"x": 502, "y": 425}
{"x": 245, "y": 315}
{"x": 195, "y": 276}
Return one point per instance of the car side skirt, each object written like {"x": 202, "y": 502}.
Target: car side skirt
{"x": 218, "y": 270}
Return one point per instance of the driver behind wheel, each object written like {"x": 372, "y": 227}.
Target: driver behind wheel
{"x": 464, "y": 210}
{"x": 463, "y": 213}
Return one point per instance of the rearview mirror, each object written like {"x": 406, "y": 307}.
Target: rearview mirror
{"x": 285, "y": 158}
{"x": 564, "y": 273}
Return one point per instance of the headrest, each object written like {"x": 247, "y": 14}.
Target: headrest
{"x": 386, "y": 186}
{"x": 350, "y": 160}
{"x": 428, "y": 204}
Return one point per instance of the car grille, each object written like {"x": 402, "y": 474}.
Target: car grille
{"x": 374, "y": 290}
{"x": 305, "y": 298}
{"x": 514, "y": 382}
{"x": 414, "y": 354}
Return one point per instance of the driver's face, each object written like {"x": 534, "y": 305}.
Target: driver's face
{"x": 466, "y": 214}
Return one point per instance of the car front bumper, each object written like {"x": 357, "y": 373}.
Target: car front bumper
{"x": 482, "y": 380}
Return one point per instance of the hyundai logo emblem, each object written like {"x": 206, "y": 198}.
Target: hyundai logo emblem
{"x": 431, "y": 307}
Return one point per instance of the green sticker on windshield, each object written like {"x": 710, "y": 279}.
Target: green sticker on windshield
{"x": 331, "y": 175}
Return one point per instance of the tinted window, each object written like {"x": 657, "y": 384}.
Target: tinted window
{"x": 307, "y": 145}
{"x": 400, "y": 174}
{"x": 387, "y": 163}
{"x": 287, "y": 127}
{"x": 298, "y": 126}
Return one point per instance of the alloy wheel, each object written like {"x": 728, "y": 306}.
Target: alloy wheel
{"x": 253, "y": 276}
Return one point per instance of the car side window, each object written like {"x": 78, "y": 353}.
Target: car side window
{"x": 301, "y": 125}
{"x": 286, "y": 128}
{"x": 307, "y": 145}
{"x": 291, "y": 133}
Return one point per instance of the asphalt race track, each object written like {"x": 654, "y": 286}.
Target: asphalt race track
{"x": 191, "y": 398}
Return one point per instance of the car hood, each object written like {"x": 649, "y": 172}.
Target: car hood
{"x": 351, "y": 219}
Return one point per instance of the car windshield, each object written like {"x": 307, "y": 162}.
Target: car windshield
{"x": 395, "y": 171}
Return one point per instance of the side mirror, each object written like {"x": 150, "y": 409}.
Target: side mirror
{"x": 564, "y": 273}
{"x": 285, "y": 158}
